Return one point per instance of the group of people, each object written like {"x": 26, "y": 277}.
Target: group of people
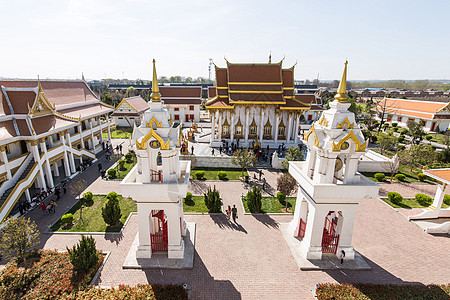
{"x": 232, "y": 213}
{"x": 39, "y": 199}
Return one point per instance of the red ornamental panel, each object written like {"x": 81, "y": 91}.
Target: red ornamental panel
{"x": 159, "y": 239}
{"x": 301, "y": 228}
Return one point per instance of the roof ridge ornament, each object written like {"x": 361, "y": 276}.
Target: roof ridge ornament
{"x": 155, "y": 95}
{"x": 341, "y": 95}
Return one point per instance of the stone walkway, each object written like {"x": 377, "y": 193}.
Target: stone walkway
{"x": 251, "y": 260}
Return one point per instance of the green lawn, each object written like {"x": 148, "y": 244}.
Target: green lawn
{"x": 126, "y": 168}
{"x": 272, "y": 205}
{"x": 211, "y": 174}
{"x": 197, "y": 205}
{"x": 119, "y": 133}
{"x": 408, "y": 203}
{"x": 92, "y": 220}
{"x": 411, "y": 177}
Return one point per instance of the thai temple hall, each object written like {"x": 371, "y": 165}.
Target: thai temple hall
{"x": 257, "y": 103}
{"x": 329, "y": 186}
{"x": 48, "y": 129}
{"x": 158, "y": 182}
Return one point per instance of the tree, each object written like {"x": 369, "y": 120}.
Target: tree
{"x": 381, "y": 108}
{"x": 385, "y": 140}
{"x": 415, "y": 130}
{"x": 83, "y": 255}
{"x": 111, "y": 212}
{"x": 293, "y": 153}
{"x": 18, "y": 236}
{"x": 392, "y": 165}
{"x": 212, "y": 200}
{"x": 244, "y": 159}
{"x": 287, "y": 185}
{"x": 131, "y": 91}
{"x": 254, "y": 200}
{"x": 75, "y": 188}
{"x": 417, "y": 155}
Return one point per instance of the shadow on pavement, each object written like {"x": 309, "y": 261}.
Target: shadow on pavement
{"x": 198, "y": 279}
{"x": 266, "y": 220}
{"x": 223, "y": 223}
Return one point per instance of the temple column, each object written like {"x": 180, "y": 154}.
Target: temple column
{"x": 48, "y": 171}
{"x": 65, "y": 160}
{"x": 109, "y": 128}
{"x": 92, "y": 135}
{"x": 37, "y": 158}
{"x": 297, "y": 120}
{"x": 261, "y": 126}
{"x": 27, "y": 195}
{"x": 213, "y": 125}
{"x": 80, "y": 129}
{"x": 288, "y": 137}
{"x": 220, "y": 125}
{"x": 232, "y": 128}
{"x": 4, "y": 158}
{"x": 55, "y": 168}
{"x": 276, "y": 127}
{"x": 71, "y": 160}
{"x": 247, "y": 115}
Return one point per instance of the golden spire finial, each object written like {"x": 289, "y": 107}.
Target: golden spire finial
{"x": 155, "y": 95}
{"x": 341, "y": 95}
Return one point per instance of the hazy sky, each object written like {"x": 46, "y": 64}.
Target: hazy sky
{"x": 381, "y": 39}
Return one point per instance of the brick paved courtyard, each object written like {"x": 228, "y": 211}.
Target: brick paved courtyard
{"x": 251, "y": 260}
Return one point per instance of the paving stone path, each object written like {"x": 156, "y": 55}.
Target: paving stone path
{"x": 250, "y": 259}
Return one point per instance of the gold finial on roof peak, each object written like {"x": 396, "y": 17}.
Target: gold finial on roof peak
{"x": 155, "y": 95}
{"x": 341, "y": 95}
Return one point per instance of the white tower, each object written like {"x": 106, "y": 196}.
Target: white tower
{"x": 159, "y": 181}
{"x": 329, "y": 186}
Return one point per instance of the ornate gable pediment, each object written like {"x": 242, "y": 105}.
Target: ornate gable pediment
{"x": 312, "y": 131}
{"x": 153, "y": 121}
{"x": 124, "y": 105}
{"x": 360, "y": 146}
{"x": 152, "y": 134}
{"x": 345, "y": 122}
{"x": 41, "y": 105}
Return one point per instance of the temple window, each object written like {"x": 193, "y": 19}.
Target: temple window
{"x": 191, "y": 107}
{"x": 177, "y": 117}
{"x": 253, "y": 127}
{"x": 267, "y": 131}
{"x": 238, "y": 130}
{"x": 176, "y": 109}
{"x": 253, "y": 130}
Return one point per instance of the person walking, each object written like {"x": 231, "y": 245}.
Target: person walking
{"x": 43, "y": 207}
{"x": 120, "y": 149}
{"x": 192, "y": 148}
{"x": 57, "y": 193}
{"x": 342, "y": 256}
{"x": 99, "y": 165}
{"x": 53, "y": 206}
{"x": 228, "y": 211}
{"x": 234, "y": 213}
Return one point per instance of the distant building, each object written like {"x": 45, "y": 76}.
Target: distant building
{"x": 434, "y": 116}
{"x": 46, "y": 128}
{"x": 182, "y": 102}
{"x": 129, "y": 111}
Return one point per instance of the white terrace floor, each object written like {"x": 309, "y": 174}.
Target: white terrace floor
{"x": 251, "y": 260}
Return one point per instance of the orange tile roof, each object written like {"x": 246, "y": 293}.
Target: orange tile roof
{"x": 138, "y": 103}
{"x": 181, "y": 91}
{"x": 415, "y": 105}
{"x": 441, "y": 174}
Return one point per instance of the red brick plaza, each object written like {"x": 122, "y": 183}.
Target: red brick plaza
{"x": 251, "y": 260}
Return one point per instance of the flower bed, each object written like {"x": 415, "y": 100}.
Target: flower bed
{"x": 271, "y": 205}
{"x": 381, "y": 291}
{"x": 50, "y": 275}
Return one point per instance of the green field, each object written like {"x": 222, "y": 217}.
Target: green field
{"x": 272, "y": 205}
{"x": 119, "y": 133}
{"x": 91, "y": 220}
{"x": 197, "y": 205}
{"x": 211, "y": 174}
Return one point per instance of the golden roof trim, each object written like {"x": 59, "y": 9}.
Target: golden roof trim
{"x": 255, "y": 92}
{"x": 148, "y": 136}
{"x": 346, "y": 121}
{"x": 256, "y": 102}
{"x": 323, "y": 121}
{"x": 360, "y": 147}
{"x": 312, "y": 130}
{"x": 254, "y": 83}
{"x": 153, "y": 120}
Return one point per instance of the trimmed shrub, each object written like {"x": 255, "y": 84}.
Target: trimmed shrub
{"x": 423, "y": 199}
{"x": 374, "y": 139}
{"x": 254, "y": 200}
{"x": 199, "y": 175}
{"x": 281, "y": 197}
{"x": 447, "y": 199}
{"x": 394, "y": 124}
{"x": 379, "y": 176}
{"x": 400, "y": 177}
{"x": 111, "y": 212}
{"x": 429, "y": 137}
{"x": 88, "y": 196}
{"x": 122, "y": 165}
{"x": 112, "y": 174}
{"x": 67, "y": 219}
{"x": 188, "y": 197}
{"x": 222, "y": 175}
{"x": 421, "y": 176}
{"x": 83, "y": 255}
{"x": 401, "y": 147}
{"x": 129, "y": 157}
{"x": 212, "y": 200}
{"x": 394, "y": 197}
{"x": 401, "y": 139}
{"x": 394, "y": 129}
